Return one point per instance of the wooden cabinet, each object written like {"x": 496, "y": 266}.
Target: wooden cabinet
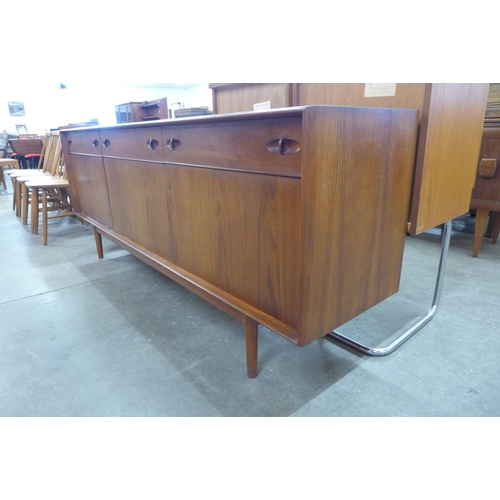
{"x": 294, "y": 218}
{"x": 450, "y": 117}
{"x": 237, "y": 97}
{"x": 128, "y": 112}
{"x": 154, "y": 110}
{"x": 142, "y": 111}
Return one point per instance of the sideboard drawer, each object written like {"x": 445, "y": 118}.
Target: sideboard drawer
{"x": 263, "y": 146}
{"x": 133, "y": 143}
{"x": 83, "y": 141}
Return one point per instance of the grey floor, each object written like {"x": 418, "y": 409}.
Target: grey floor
{"x": 87, "y": 337}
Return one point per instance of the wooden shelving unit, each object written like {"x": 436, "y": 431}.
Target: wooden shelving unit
{"x": 154, "y": 110}
{"x": 142, "y": 111}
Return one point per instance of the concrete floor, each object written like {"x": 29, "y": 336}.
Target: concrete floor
{"x": 87, "y": 337}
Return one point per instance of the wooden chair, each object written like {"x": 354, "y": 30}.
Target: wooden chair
{"x": 52, "y": 170}
{"x": 49, "y": 193}
{"x": 7, "y": 162}
{"x": 19, "y": 177}
{"x": 20, "y": 172}
{"x": 4, "y": 160}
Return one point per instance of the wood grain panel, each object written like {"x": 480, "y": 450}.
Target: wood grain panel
{"x": 240, "y": 233}
{"x": 89, "y": 191}
{"x": 449, "y": 144}
{"x": 236, "y": 145}
{"x": 355, "y": 195}
{"x": 408, "y": 95}
{"x": 138, "y": 198}
{"x": 241, "y": 97}
{"x": 133, "y": 143}
{"x": 87, "y": 142}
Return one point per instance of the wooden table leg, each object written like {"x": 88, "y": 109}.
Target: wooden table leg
{"x": 251, "y": 338}
{"x": 98, "y": 244}
{"x": 495, "y": 227}
{"x": 481, "y": 218}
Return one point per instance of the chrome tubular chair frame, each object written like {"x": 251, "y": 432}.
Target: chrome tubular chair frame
{"x": 343, "y": 341}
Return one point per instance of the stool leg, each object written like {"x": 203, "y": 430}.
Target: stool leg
{"x": 481, "y": 218}
{"x": 496, "y": 227}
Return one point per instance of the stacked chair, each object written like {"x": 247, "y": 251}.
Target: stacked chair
{"x": 5, "y": 161}
{"x": 21, "y": 174}
{"x": 44, "y": 190}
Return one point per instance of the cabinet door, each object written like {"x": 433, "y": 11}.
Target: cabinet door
{"x": 138, "y": 197}
{"x": 239, "y": 232}
{"x": 89, "y": 190}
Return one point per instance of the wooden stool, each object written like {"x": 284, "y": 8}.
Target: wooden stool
{"x": 6, "y": 162}
{"x": 485, "y": 199}
{"x": 494, "y": 226}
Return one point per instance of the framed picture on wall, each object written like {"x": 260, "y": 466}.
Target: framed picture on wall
{"x": 16, "y": 108}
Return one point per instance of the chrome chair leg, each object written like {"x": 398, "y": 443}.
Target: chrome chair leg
{"x": 338, "y": 338}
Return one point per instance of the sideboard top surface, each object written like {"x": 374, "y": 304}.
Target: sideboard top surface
{"x": 296, "y": 111}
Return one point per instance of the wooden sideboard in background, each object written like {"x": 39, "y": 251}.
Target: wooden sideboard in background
{"x": 451, "y": 118}
{"x": 486, "y": 192}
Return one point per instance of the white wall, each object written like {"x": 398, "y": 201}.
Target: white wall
{"x": 48, "y": 106}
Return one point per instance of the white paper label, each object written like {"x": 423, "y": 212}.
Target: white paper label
{"x": 262, "y": 105}
{"x": 380, "y": 89}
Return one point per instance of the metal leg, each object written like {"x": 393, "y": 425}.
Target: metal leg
{"x": 338, "y": 338}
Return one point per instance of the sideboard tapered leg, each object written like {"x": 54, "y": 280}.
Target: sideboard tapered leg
{"x": 251, "y": 337}
{"x": 98, "y": 243}
{"x": 481, "y": 219}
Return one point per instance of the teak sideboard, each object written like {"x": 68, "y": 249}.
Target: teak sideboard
{"x": 294, "y": 218}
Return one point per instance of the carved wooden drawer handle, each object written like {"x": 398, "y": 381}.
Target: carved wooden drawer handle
{"x": 95, "y": 143}
{"x": 283, "y": 146}
{"x": 153, "y": 144}
{"x": 173, "y": 144}
{"x": 106, "y": 143}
